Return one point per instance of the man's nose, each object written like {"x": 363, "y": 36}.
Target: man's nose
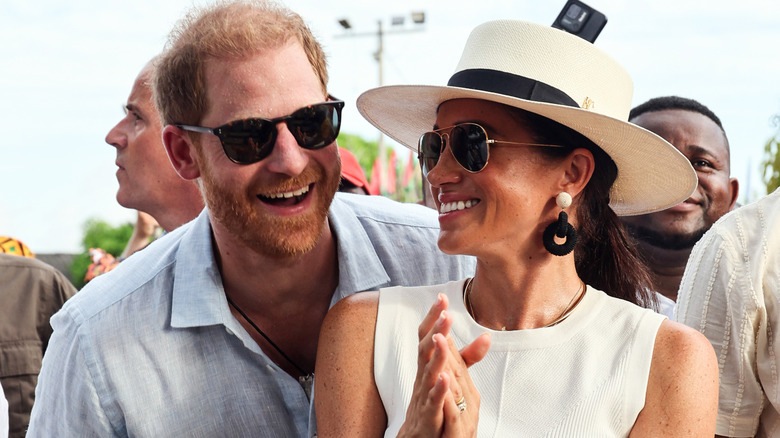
{"x": 287, "y": 157}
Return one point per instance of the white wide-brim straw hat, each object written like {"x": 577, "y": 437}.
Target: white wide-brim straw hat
{"x": 557, "y": 75}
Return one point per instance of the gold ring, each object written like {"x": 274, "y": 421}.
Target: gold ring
{"x": 461, "y": 404}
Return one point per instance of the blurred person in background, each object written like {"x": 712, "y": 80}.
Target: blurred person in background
{"x": 353, "y": 178}
{"x": 665, "y": 238}
{"x": 730, "y": 292}
{"x": 148, "y": 182}
{"x": 30, "y": 293}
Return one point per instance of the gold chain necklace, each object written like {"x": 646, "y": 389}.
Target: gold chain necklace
{"x": 575, "y": 300}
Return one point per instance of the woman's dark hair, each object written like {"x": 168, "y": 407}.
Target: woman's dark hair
{"x": 605, "y": 255}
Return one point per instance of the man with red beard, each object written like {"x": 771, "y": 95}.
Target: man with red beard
{"x": 665, "y": 238}
{"x": 212, "y": 330}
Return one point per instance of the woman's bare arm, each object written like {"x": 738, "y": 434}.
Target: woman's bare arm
{"x": 682, "y": 392}
{"x": 345, "y": 395}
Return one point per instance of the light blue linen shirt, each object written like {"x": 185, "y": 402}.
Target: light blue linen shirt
{"x": 151, "y": 348}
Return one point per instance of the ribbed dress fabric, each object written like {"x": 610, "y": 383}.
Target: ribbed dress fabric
{"x": 586, "y": 376}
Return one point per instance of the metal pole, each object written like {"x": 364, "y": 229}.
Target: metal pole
{"x": 379, "y": 56}
{"x": 381, "y": 142}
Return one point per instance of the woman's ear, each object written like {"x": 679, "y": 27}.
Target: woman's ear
{"x": 579, "y": 167}
{"x": 181, "y": 152}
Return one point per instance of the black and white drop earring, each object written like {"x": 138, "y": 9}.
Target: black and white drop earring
{"x": 560, "y": 228}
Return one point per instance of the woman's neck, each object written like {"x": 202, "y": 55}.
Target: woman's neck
{"x": 523, "y": 295}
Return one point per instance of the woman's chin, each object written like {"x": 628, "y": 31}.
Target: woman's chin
{"x": 450, "y": 244}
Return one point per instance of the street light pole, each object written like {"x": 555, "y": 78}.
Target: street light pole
{"x": 380, "y": 145}
{"x": 418, "y": 18}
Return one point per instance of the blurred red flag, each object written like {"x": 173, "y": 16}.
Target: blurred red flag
{"x": 376, "y": 178}
{"x": 409, "y": 172}
{"x": 391, "y": 173}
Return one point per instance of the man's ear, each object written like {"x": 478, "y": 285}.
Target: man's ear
{"x": 734, "y": 187}
{"x": 181, "y": 152}
{"x": 578, "y": 167}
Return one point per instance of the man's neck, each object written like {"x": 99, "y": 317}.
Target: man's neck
{"x": 666, "y": 267}
{"x": 177, "y": 212}
{"x": 262, "y": 280}
{"x": 286, "y": 297}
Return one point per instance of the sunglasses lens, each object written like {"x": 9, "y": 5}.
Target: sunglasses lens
{"x": 429, "y": 150}
{"x": 316, "y": 126}
{"x": 250, "y": 140}
{"x": 468, "y": 143}
{"x": 247, "y": 141}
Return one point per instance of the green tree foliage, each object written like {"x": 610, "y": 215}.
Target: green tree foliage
{"x": 408, "y": 191}
{"x": 771, "y": 163}
{"x": 367, "y": 152}
{"x": 99, "y": 234}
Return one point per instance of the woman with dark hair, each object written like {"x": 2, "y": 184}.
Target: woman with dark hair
{"x": 550, "y": 337}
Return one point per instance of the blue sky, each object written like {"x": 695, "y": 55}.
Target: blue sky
{"x": 68, "y": 66}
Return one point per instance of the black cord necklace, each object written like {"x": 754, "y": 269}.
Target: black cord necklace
{"x": 305, "y": 377}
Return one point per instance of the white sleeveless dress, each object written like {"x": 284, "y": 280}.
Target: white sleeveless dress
{"x": 585, "y": 377}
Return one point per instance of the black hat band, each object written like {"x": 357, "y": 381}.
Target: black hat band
{"x": 509, "y": 84}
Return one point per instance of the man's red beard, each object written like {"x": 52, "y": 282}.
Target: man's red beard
{"x": 237, "y": 210}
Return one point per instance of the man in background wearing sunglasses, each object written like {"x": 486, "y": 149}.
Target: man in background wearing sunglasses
{"x": 212, "y": 330}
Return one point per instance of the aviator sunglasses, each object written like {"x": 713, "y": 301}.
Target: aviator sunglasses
{"x": 468, "y": 143}
{"x": 248, "y": 141}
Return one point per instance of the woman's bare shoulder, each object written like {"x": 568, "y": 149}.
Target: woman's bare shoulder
{"x": 356, "y": 308}
{"x": 346, "y": 398}
{"x": 675, "y": 340}
{"x": 682, "y": 391}
{"x": 350, "y": 324}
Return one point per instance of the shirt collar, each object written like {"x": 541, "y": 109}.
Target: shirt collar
{"x": 198, "y": 295}
{"x": 360, "y": 268}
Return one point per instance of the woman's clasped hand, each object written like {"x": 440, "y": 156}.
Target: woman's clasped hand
{"x": 445, "y": 401}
